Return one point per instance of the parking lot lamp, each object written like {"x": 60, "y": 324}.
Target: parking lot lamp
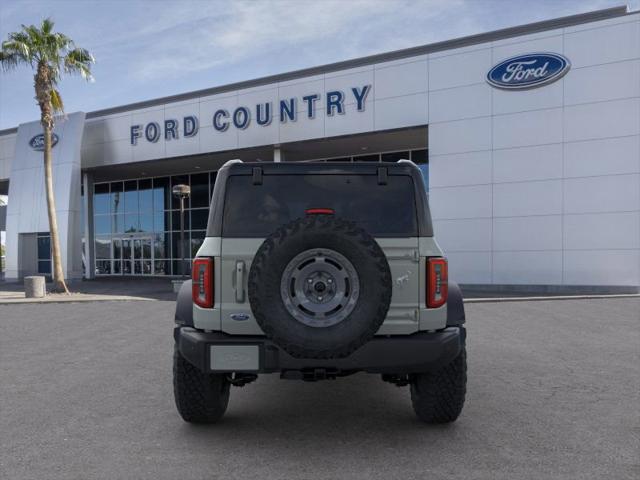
{"x": 182, "y": 192}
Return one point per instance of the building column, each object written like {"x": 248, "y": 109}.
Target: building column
{"x": 277, "y": 154}
{"x": 87, "y": 203}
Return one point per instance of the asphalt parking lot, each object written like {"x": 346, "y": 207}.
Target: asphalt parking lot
{"x": 85, "y": 392}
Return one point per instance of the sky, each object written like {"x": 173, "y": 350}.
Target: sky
{"x": 150, "y": 49}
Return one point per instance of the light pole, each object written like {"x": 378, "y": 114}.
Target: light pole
{"x": 182, "y": 192}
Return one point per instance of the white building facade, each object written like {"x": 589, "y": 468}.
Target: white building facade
{"x": 534, "y": 182}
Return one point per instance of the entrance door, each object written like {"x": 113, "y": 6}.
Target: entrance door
{"x": 142, "y": 261}
{"x": 134, "y": 256}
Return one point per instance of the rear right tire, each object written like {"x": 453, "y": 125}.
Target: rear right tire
{"x": 200, "y": 397}
{"x": 438, "y": 397}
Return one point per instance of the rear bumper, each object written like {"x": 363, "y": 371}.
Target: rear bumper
{"x": 398, "y": 355}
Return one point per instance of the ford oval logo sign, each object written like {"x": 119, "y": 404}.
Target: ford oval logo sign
{"x": 528, "y": 71}
{"x": 37, "y": 142}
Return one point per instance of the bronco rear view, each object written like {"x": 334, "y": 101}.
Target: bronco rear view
{"x": 316, "y": 271}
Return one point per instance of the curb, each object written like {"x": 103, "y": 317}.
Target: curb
{"x": 20, "y": 301}
{"x": 548, "y": 298}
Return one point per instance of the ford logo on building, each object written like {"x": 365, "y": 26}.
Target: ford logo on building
{"x": 37, "y": 142}
{"x": 528, "y": 71}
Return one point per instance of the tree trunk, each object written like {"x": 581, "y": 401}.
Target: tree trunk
{"x": 43, "y": 85}
{"x": 59, "y": 284}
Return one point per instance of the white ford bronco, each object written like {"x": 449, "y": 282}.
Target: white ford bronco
{"x": 317, "y": 271}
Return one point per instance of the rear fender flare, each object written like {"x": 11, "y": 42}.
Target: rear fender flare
{"x": 184, "y": 306}
{"x": 455, "y": 306}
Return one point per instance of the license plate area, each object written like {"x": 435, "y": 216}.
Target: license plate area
{"x": 234, "y": 358}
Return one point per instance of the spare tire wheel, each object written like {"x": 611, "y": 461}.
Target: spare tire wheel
{"x": 320, "y": 287}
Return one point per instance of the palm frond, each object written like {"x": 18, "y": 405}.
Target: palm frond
{"x": 56, "y": 101}
{"x": 34, "y": 34}
{"x": 20, "y": 37}
{"x": 19, "y": 47}
{"x": 47, "y": 26}
{"x": 79, "y": 61}
{"x": 63, "y": 42}
{"x": 9, "y": 61}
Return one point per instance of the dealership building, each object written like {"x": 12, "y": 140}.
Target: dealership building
{"x": 528, "y": 138}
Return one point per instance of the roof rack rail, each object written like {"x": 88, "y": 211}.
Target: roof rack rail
{"x": 404, "y": 160}
{"x": 231, "y": 162}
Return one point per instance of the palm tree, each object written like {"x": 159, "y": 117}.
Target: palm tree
{"x": 50, "y": 55}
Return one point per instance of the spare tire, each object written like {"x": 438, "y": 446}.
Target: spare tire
{"x": 320, "y": 287}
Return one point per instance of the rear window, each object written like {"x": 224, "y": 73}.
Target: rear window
{"x": 257, "y": 210}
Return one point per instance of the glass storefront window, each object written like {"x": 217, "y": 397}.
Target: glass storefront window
{"x": 197, "y": 238}
{"x": 175, "y": 244}
{"x": 161, "y": 194}
{"x": 160, "y": 243}
{"x": 137, "y": 249}
{"x": 116, "y": 197}
{"x": 131, "y": 223}
{"x": 200, "y": 190}
{"x": 44, "y": 247}
{"x": 146, "y": 222}
{"x": 117, "y": 223}
{"x": 131, "y": 203}
{"x": 102, "y": 224}
{"x": 161, "y": 222}
{"x": 176, "y": 267}
{"x": 103, "y": 247}
{"x": 162, "y": 267}
{"x": 175, "y": 220}
{"x": 44, "y": 266}
{"x": 101, "y": 199}
{"x": 103, "y": 267}
{"x": 44, "y": 253}
{"x": 146, "y": 209}
{"x": 199, "y": 218}
{"x": 145, "y": 195}
{"x": 117, "y": 248}
{"x": 419, "y": 156}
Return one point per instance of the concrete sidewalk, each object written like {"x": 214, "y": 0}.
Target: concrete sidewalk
{"x": 104, "y": 289}
{"x": 138, "y": 289}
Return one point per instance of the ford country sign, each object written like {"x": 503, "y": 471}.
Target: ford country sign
{"x": 284, "y": 110}
{"x": 528, "y": 71}
{"x": 37, "y": 142}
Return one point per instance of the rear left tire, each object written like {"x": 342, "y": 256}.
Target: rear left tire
{"x": 200, "y": 397}
{"x": 438, "y": 397}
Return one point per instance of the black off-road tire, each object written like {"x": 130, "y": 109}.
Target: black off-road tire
{"x": 438, "y": 397}
{"x": 200, "y": 397}
{"x": 322, "y": 232}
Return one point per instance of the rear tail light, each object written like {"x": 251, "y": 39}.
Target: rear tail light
{"x": 437, "y": 282}
{"x": 202, "y": 282}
